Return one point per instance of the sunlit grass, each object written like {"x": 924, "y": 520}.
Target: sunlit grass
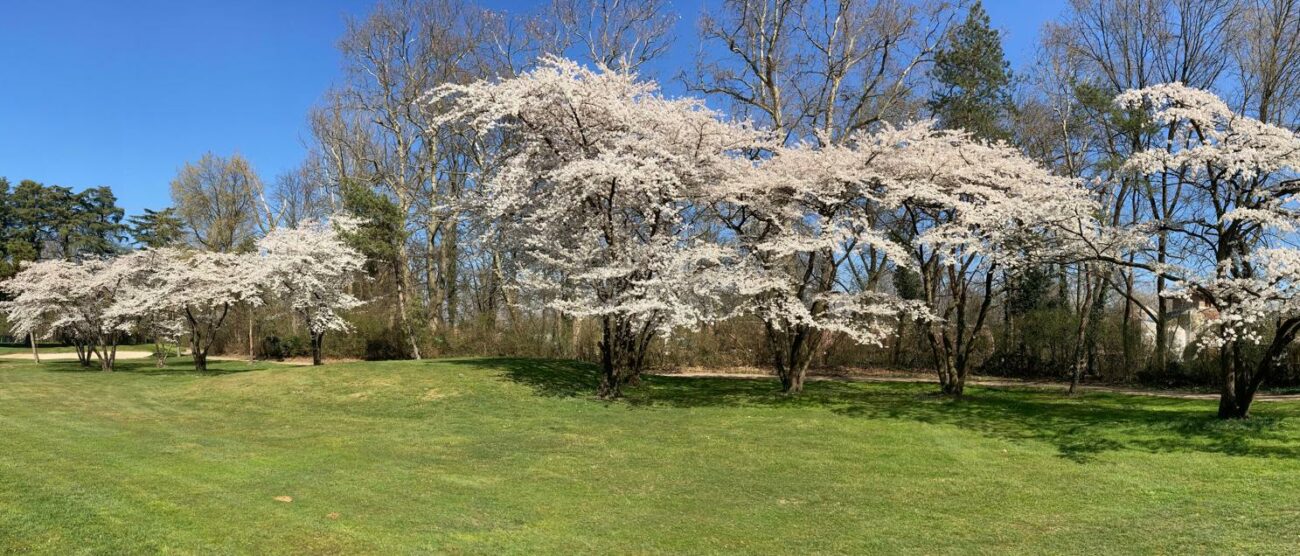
{"x": 493, "y": 456}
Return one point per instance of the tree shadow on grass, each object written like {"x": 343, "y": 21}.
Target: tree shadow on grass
{"x": 174, "y": 366}
{"x": 1081, "y": 429}
{"x": 547, "y": 377}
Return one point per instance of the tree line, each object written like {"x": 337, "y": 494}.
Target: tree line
{"x": 819, "y": 77}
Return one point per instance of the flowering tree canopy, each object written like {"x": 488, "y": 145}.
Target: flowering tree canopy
{"x": 1233, "y": 231}
{"x": 140, "y": 308}
{"x": 40, "y": 296}
{"x": 202, "y": 287}
{"x": 309, "y": 267}
{"x": 160, "y": 293}
{"x": 803, "y": 215}
{"x": 75, "y": 300}
{"x": 968, "y": 207}
{"x": 595, "y": 181}
{"x": 912, "y": 196}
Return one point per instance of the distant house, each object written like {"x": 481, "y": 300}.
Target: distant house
{"x": 1185, "y": 319}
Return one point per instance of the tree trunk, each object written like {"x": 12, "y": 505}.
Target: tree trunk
{"x": 403, "y": 280}
{"x": 622, "y": 354}
{"x": 108, "y": 356}
{"x": 447, "y": 263}
{"x": 200, "y": 360}
{"x": 1126, "y": 326}
{"x": 792, "y": 381}
{"x": 35, "y": 354}
{"x": 956, "y": 386}
{"x": 1162, "y": 319}
{"x": 791, "y": 354}
{"x": 432, "y": 279}
{"x": 198, "y": 349}
{"x": 896, "y": 355}
{"x": 251, "y": 355}
{"x": 1081, "y": 334}
{"x": 160, "y": 352}
{"x": 317, "y": 341}
{"x": 611, "y": 379}
{"x": 1239, "y": 385}
{"x": 83, "y": 353}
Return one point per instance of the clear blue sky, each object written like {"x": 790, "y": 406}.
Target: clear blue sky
{"x": 121, "y": 93}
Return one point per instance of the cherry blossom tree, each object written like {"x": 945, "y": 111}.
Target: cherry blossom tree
{"x": 1233, "y": 233}
{"x": 941, "y": 202}
{"x": 39, "y": 296}
{"x": 596, "y": 183}
{"x": 802, "y": 215}
{"x": 309, "y": 268}
{"x": 202, "y": 287}
{"x": 968, "y": 207}
{"x": 140, "y": 309}
{"x": 73, "y": 299}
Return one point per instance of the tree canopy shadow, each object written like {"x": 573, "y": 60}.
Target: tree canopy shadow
{"x": 1080, "y": 428}
{"x": 174, "y": 366}
{"x": 547, "y": 377}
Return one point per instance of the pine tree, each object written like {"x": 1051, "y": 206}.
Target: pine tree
{"x": 973, "y": 79}
{"x": 157, "y": 228}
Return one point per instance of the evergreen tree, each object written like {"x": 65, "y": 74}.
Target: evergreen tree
{"x": 157, "y": 228}
{"x": 95, "y": 226}
{"x": 973, "y": 79}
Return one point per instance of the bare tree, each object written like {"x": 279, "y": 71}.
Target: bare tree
{"x": 617, "y": 34}
{"x": 302, "y": 194}
{"x": 217, "y": 198}
{"x": 374, "y": 133}
{"x": 1267, "y": 59}
{"x": 818, "y": 68}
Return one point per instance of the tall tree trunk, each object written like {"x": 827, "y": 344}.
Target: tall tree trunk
{"x": 432, "y": 279}
{"x": 1161, "y": 356}
{"x": 622, "y": 354}
{"x": 403, "y": 281}
{"x": 198, "y": 351}
{"x": 449, "y": 266}
{"x": 611, "y": 377}
{"x": 35, "y": 354}
{"x": 896, "y": 354}
{"x": 1127, "y": 322}
{"x": 1081, "y": 333}
{"x": 1240, "y": 385}
{"x": 160, "y": 351}
{"x": 83, "y": 352}
{"x": 200, "y": 360}
{"x": 251, "y": 355}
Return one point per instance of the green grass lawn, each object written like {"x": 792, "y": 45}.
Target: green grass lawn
{"x": 515, "y": 456}
{"x": 6, "y": 349}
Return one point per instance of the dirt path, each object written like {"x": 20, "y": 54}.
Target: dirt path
{"x": 993, "y": 382}
{"x": 68, "y": 355}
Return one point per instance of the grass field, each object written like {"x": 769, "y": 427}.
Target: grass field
{"x": 6, "y": 349}
{"x": 515, "y": 456}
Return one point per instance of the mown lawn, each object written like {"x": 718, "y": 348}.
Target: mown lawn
{"x": 26, "y": 349}
{"x": 514, "y": 456}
